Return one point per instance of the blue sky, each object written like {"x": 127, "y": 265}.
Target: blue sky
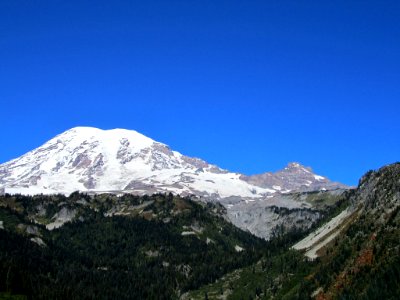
{"x": 247, "y": 85}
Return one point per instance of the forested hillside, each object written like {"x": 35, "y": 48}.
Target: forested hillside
{"x": 164, "y": 246}
{"x": 362, "y": 262}
{"x": 167, "y": 247}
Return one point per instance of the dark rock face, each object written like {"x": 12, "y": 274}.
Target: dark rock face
{"x": 197, "y": 162}
{"x": 379, "y": 190}
{"x": 138, "y": 185}
{"x": 280, "y": 212}
{"x": 90, "y": 183}
{"x": 81, "y": 161}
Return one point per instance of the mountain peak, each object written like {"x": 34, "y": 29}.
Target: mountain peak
{"x": 296, "y": 165}
{"x": 82, "y": 130}
{"x": 118, "y": 160}
{"x": 110, "y": 137}
{"x": 115, "y": 160}
{"x": 87, "y": 130}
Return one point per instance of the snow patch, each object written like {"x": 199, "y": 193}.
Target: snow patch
{"x": 184, "y": 233}
{"x": 209, "y": 241}
{"x": 238, "y": 248}
{"x": 38, "y": 241}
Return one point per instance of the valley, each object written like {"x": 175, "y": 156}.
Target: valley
{"x": 116, "y": 215}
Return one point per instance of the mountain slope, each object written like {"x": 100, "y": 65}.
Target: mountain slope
{"x": 294, "y": 177}
{"x": 90, "y": 159}
{"x": 358, "y": 258}
{"x": 363, "y": 261}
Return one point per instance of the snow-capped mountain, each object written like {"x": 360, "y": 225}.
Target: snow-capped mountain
{"x": 123, "y": 161}
{"x": 95, "y": 160}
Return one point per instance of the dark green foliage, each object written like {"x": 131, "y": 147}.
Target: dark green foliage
{"x": 120, "y": 257}
{"x": 23, "y": 264}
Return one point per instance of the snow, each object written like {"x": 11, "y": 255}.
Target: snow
{"x": 38, "y": 241}
{"x": 322, "y": 236}
{"x": 286, "y": 191}
{"x": 319, "y": 178}
{"x": 238, "y": 248}
{"x": 188, "y": 233}
{"x": 95, "y": 160}
{"x": 209, "y": 241}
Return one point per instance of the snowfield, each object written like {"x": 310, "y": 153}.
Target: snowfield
{"x": 95, "y": 160}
